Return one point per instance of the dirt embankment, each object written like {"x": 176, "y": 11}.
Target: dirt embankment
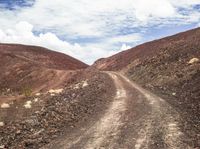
{"x": 58, "y": 113}
{"x": 41, "y": 56}
{"x": 135, "y": 118}
{"x": 169, "y": 67}
{"x": 26, "y": 70}
{"x": 171, "y": 75}
{"x": 30, "y": 67}
{"x": 141, "y": 52}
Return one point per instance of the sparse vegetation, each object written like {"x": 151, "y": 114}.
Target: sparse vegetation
{"x": 26, "y": 91}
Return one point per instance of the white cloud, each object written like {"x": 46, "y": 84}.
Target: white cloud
{"x": 22, "y": 33}
{"x": 125, "y": 47}
{"x": 154, "y": 8}
{"x": 102, "y": 19}
{"x": 130, "y": 38}
{"x": 184, "y": 3}
{"x": 93, "y": 18}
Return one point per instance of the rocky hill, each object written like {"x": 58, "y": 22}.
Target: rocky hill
{"x": 40, "y": 56}
{"x": 33, "y": 67}
{"x": 149, "y": 99}
{"x": 186, "y": 42}
{"x": 170, "y": 67}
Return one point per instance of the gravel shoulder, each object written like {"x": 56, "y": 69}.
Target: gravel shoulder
{"x": 135, "y": 118}
{"x": 103, "y": 110}
{"x": 58, "y": 114}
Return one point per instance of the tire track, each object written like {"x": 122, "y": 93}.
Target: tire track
{"x": 168, "y": 122}
{"x": 156, "y": 127}
{"x": 105, "y": 130}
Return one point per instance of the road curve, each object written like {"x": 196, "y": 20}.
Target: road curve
{"x": 135, "y": 119}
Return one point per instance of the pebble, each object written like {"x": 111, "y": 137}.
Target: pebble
{"x": 2, "y": 146}
{"x": 5, "y": 105}
{"x": 1, "y": 124}
{"x": 174, "y": 94}
{"x": 28, "y": 105}
{"x": 193, "y": 60}
{"x": 38, "y": 94}
{"x": 36, "y": 99}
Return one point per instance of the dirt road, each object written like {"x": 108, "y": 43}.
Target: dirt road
{"x": 135, "y": 119}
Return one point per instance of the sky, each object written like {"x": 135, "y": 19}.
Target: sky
{"x": 92, "y": 29}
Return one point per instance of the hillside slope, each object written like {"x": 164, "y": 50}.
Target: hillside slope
{"x": 41, "y": 56}
{"x": 52, "y": 116}
{"x": 32, "y": 67}
{"x": 170, "y": 68}
{"x": 182, "y": 43}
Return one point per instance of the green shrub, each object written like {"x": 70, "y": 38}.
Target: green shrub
{"x": 26, "y": 91}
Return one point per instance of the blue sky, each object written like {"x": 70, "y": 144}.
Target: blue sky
{"x": 14, "y": 4}
{"x": 88, "y": 29}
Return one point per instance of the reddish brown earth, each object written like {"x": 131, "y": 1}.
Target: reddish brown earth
{"x": 133, "y": 118}
{"x": 163, "y": 67}
{"x": 41, "y": 57}
{"x": 53, "y": 116}
{"x": 28, "y": 70}
{"x": 109, "y": 109}
{"x": 34, "y": 68}
{"x": 110, "y": 112}
{"x": 184, "y": 45}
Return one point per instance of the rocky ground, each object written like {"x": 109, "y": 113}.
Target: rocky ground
{"x": 31, "y": 68}
{"x": 51, "y": 114}
{"x": 169, "y": 67}
{"x": 135, "y": 118}
{"x": 113, "y": 110}
{"x": 174, "y": 74}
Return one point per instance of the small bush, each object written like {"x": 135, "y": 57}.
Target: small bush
{"x": 26, "y": 91}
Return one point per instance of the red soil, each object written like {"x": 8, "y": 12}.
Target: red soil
{"x": 189, "y": 40}
{"x": 35, "y": 68}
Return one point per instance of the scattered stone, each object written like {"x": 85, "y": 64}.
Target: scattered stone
{"x": 57, "y": 91}
{"x": 193, "y": 60}
{"x": 81, "y": 84}
{"x": 2, "y": 146}
{"x": 37, "y": 133}
{"x": 174, "y": 94}
{"x": 5, "y": 105}
{"x": 85, "y": 83}
{"x": 36, "y": 100}
{"x": 28, "y": 104}
{"x": 37, "y": 112}
{"x": 77, "y": 86}
{"x": 52, "y": 94}
{"x": 33, "y": 121}
{"x": 37, "y": 94}
{"x": 2, "y": 124}
{"x": 46, "y": 122}
{"x": 18, "y": 132}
